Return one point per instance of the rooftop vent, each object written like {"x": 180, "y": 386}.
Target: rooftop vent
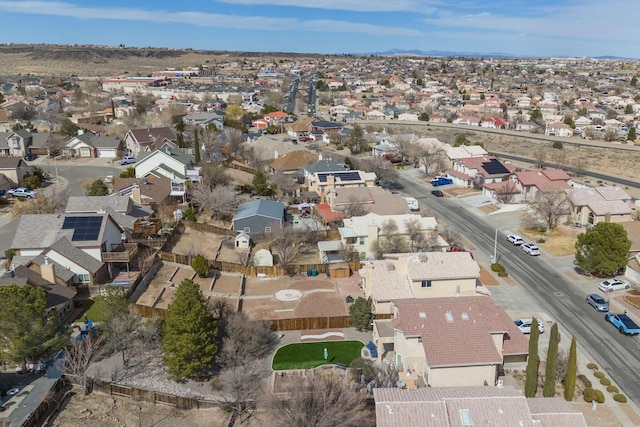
{"x": 422, "y": 257}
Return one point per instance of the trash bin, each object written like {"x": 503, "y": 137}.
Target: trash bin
{"x": 1, "y": 193}
{"x": 314, "y": 272}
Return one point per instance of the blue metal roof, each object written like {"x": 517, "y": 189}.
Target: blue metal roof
{"x": 260, "y": 207}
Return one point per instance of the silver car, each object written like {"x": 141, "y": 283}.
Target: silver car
{"x": 597, "y": 302}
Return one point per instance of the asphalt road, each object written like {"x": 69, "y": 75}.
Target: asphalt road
{"x": 564, "y": 301}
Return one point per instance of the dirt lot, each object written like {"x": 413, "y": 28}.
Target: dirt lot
{"x": 559, "y": 242}
{"x": 193, "y": 242}
{"x": 98, "y": 410}
{"x": 159, "y": 281}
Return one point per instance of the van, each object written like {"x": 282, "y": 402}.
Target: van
{"x": 412, "y": 203}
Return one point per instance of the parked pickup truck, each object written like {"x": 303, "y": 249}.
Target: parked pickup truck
{"x": 441, "y": 181}
{"x": 623, "y": 323}
{"x": 22, "y": 192}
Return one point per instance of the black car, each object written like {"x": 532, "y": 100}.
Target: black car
{"x": 437, "y": 193}
{"x": 29, "y": 157}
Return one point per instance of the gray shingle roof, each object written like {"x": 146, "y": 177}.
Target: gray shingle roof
{"x": 260, "y": 207}
{"x": 325, "y": 165}
{"x": 93, "y": 204}
{"x": 65, "y": 248}
{"x": 42, "y": 231}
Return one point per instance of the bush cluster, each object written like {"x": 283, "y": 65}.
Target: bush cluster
{"x": 599, "y": 396}
{"x": 592, "y": 366}
{"x": 589, "y": 394}
{"x": 613, "y": 389}
{"x": 498, "y": 268}
{"x": 620, "y": 398}
{"x": 598, "y": 374}
{"x": 605, "y": 381}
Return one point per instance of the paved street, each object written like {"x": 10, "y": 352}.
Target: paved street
{"x": 544, "y": 286}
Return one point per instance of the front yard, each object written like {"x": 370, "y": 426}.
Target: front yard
{"x": 557, "y": 241}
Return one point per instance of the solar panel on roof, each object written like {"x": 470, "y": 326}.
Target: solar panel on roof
{"x": 494, "y": 167}
{"x": 84, "y": 227}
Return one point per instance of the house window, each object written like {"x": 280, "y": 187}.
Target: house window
{"x": 363, "y": 255}
{"x": 83, "y": 278}
{"x": 362, "y": 240}
{"x": 267, "y": 229}
{"x": 419, "y": 340}
{"x": 591, "y": 218}
{"x": 426, "y": 283}
{"x": 247, "y": 229}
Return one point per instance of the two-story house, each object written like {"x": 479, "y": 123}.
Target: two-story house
{"x": 421, "y": 275}
{"x": 590, "y": 206}
{"x": 80, "y": 243}
{"x": 451, "y": 341}
{"x": 363, "y": 232}
{"x": 477, "y": 171}
{"x": 138, "y": 141}
{"x": 168, "y": 162}
{"x": 19, "y": 143}
{"x": 321, "y": 182}
{"x": 529, "y": 183}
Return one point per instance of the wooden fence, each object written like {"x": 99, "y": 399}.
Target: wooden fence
{"x": 209, "y": 228}
{"x": 138, "y": 394}
{"x": 231, "y": 267}
{"x": 305, "y": 323}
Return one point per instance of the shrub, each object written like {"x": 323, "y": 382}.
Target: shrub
{"x": 4, "y": 201}
{"x": 592, "y": 366}
{"x": 598, "y": 374}
{"x": 557, "y": 145}
{"x": 605, "y": 381}
{"x": 200, "y": 265}
{"x": 586, "y": 382}
{"x": 620, "y": 398}
{"x": 502, "y": 274}
{"x": 10, "y": 253}
{"x": 599, "y": 396}
{"x": 339, "y": 148}
{"x": 589, "y": 394}
{"x": 613, "y": 389}
{"x": 497, "y": 267}
{"x": 190, "y": 214}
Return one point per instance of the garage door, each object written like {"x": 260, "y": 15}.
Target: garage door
{"x": 107, "y": 152}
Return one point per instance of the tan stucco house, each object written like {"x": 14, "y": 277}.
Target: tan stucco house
{"x": 590, "y": 206}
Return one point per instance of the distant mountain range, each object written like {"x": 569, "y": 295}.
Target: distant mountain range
{"x": 417, "y": 52}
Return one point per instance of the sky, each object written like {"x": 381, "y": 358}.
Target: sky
{"x": 542, "y": 28}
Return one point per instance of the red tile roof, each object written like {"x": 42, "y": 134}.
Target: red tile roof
{"x": 541, "y": 180}
{"x": 457, "y": 331}
{"x": 324, "y": 210}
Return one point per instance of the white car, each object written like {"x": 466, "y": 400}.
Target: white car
{"x": 525, "y": 325}
{"x": 531, "y": 249}
{"x": 611, "y": 285}
{"x": 127, "y": 160}
{"x": 515, "y": 239}
{"x": 22, "y": 192}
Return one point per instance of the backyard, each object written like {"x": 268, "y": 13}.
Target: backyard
{"x": 311, "y": 355}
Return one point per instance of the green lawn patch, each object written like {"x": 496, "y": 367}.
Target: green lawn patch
{"x": 311, "y": 355}
{"x": 93, "y": 310}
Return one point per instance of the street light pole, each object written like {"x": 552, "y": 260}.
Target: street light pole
{"x": 495, "y": 246}
{"x": 55, "y": 166}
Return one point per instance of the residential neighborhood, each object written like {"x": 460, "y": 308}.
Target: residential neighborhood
{"x": 371, "y": 202}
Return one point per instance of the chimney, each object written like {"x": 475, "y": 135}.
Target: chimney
{"x": 80, "y": 132}
{"x": 48, "y": 271}
{"x": 136, "y": 195}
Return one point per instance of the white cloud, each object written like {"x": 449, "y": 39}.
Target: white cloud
{"x": 418, "y": 6}
{"x": 200, "y": 18}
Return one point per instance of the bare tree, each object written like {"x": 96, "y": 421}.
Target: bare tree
{"x": 54, "y": 201}
{"x": 347, "y": 253}
{"x": 550, "y": 206}
{"x": 506, "y": 193}
{"x": 452, "y": 236}
{"x": 244, "y": 257}
{"x": 418, "y": 242}
{"x": 285, "y": 183}
{"x": 251, "y": 155}
{"x": 244, "y": 340}
{"x": 233, "y": 139}
{"x": 286, "y": 245}
{"x": 81, "y": 355}
{"x": 353, "y": 208}
{"x": 389, "y": 240}
{"x": 221, "y": 201}
{"x": 432, "y": 156}
{"x": 242, "y": 388}
{"x": 120, "y": 333}
{"x": 55, "y": 144}
{"x": 320, "y": 401}
{"x": 540, "y": 155}
{"x": 145, "y": 257}
{"x": 560, "y": 157}
{"x": 214, "y": 176}
{"x": 385, "y": 172}
{"x": 405, "y": 147}
{"x": 579, "y": 165}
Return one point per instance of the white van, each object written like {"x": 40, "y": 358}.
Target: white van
{"x": 412, "y": 203}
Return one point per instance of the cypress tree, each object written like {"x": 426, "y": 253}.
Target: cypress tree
{"x": 531, "y": 380}
{"x": 572, "y": 368}
{"x": 196, "y": 146}
{"x": 189, "y": 334}
{"x": 549, "y": 389}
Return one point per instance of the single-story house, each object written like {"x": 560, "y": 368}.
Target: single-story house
{"x": 259, "y": 216}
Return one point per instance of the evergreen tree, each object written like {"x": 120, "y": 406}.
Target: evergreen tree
{"x": 634, "y": 81}
{"x": 603, "y": 249}
{"x": 549, "y": 389}
{"x": 189, "y": 334}
{"x": 632, "y": 135}
{"x": 531, "y": 380}
{"x": 570, "y": 376}
{"x": 98, "y": 188}
{"x": 360, "y": 314}
{"x": 196, "y": 145}
{"x": 628, "y": 109}
{"x": 260, "y": 185}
